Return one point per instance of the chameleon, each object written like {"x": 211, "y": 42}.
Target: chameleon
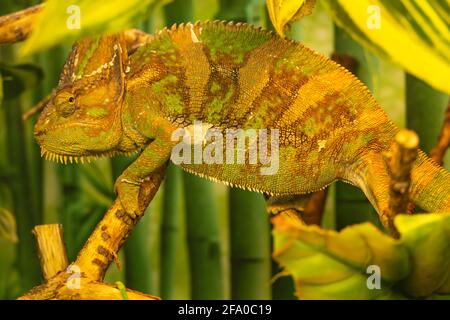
{"x": 127, "y": 92}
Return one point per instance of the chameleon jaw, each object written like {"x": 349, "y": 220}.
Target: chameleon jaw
{"x": 65, "y": 159}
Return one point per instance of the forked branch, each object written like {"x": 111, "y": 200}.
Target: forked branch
{"x": 83, "y": 278}
{"x": 399, "y": 162}
{"x": 438, "y": 152}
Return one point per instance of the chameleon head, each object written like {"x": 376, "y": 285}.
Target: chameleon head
{"x": 82, "y": 118}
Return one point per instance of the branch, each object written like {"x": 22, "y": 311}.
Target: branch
{"x": 399, "y": 162}
{"x": 66, "y": 286}
{"x": 83, "y": 279}
{"x": 315, "y": 207}
{"x": 438, "y": 152}
{"x": 51, "y": 249}
{"x": 36, "y": 109}
{"x": 18, "y": 26}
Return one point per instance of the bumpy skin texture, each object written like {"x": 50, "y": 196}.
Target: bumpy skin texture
{"x": 229, "y": 76}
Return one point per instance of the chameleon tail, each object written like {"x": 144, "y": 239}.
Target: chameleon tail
{"x": 430, "y": 184}
{"x": 430, "y": 187}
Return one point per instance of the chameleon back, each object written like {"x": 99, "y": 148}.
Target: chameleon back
{"x": 237, "y": 76}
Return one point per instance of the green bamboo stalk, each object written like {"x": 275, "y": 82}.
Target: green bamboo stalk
{"x": 202, "y": 227}
{"x": 24, "y": 211}
{"x": 425, "y": 108}
{"x": 36, "y": 161}
{"x": 170, "y": 230}
{"x": 249, "y": 226}
{"x": 138, "y": 258}
{"x": 179, "y": 11}
{"x": 250, "y": 247}
{"x": 351, "y": 204}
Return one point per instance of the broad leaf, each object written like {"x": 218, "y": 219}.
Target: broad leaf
{"x": 427, "y": 237}
{"x": 8, "y": 230}
{"x": 283, "y": 12}
{"x": 413, "y": 34}
{"x": 18, "y": 78}
{"x": 70, "y": 20}
{"x": 334, "y": 265}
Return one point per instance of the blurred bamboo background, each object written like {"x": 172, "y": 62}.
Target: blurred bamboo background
{"x": 199, "y": 240}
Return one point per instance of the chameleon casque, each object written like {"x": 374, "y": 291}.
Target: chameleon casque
{"x": 128, "y": 92}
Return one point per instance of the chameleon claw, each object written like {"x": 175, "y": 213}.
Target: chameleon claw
{"x": 136, "y": 183}
{"x": 128, "y": 193}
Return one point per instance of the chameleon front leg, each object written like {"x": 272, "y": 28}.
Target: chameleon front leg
{"x": 128, "y": 184}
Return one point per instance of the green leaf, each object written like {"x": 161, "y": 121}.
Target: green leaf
{"x": 99, "y": 183}
{"x": 327, "y": 264}
{"x": 283, "y": 12}
{"x": 18, "y": 78}
{"x": 8, "y": 230}
{"x": 70, "y": 20}
{"x": 413, "y": 34}
{"x": 427, "y": 237}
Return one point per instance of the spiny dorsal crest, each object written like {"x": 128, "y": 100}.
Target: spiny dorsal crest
{"x": 94, "y": 59}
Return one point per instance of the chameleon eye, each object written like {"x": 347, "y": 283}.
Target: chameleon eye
{"x": 66, "y": 109}
{"x": 65, "y": 104}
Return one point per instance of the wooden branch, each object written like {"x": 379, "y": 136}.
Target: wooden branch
{"x": 345, "y": 60}
{"x": 315, "y": 207}
{"x": 308, "y": 208}
{"x": 18, "y": 26}
{"x": 51, "y": 249}
{"x": 67, "y": 286}
{"x": 438, "y": 152}
{"x": 36, "y": 109}
{"x": 399, "y": 162}
{"x": 83, "y": 278}
{"x": 104, "y": 243}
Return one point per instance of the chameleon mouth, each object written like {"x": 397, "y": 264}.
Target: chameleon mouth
{"x": 66, "y": 159}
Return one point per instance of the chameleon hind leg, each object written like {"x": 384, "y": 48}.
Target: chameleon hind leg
{"x": 371, "y": 175}
{"x": 307, "y": 208}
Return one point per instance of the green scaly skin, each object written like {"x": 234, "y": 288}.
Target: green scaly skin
{"x": 228, "y": 76}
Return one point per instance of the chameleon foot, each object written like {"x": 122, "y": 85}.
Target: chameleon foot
{"x": 128, "y": 192}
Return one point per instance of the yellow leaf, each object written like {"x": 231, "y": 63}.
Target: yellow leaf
{"x": 69, "y": 20}
{"x": 414, "y": 34}
{"x": 283, "y": 12}
{"x": 326, "y": 264}
{"x": 427, "y": 236}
